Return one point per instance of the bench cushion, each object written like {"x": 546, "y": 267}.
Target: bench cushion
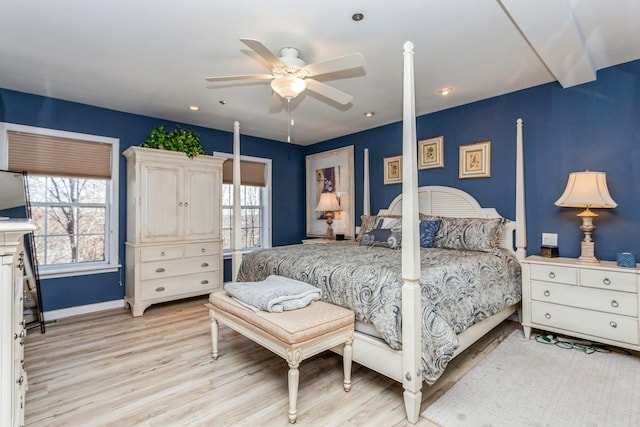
{"x": 291, "y": 327}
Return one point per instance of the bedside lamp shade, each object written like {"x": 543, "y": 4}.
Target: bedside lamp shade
{"x": 329, "y": 204}
{"x": 587, "y": 190}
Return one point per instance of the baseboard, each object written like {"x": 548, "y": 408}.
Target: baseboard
{"x": 82, "y": 309}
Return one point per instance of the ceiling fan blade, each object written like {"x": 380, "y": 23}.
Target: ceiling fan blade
{"x": 263, "y": 52}
{"x": 240, "y": 77}
{"x": 328, "y": 91}
{"x": 346, "y": 62}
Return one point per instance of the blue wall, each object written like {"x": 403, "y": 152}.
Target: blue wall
{"x": 594, "y": 126}
{"x": 288, "y": 164}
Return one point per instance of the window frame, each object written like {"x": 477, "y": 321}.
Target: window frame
{"x": 111, "y": 262}
{"x": 265, "y": 197}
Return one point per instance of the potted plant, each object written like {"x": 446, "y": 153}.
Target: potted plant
{"x": 180, "y": 139}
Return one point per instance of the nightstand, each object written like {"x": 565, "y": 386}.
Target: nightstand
{"x": 598, "y": 302}
{"x": 315, "y": 241}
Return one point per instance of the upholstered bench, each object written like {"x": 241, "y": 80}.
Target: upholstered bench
{"x": 293, "y": 335}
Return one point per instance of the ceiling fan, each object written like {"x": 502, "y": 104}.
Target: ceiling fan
{"x": 290, "y": 75}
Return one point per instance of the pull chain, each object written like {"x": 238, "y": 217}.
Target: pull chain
{"x": 289, "y": 119}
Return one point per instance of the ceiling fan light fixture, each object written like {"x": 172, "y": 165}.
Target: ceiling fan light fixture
{"x": 288, "y": 86}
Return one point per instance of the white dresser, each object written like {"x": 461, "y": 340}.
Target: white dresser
{"x": 13, "y": 382}
{"x": 598, "y": 302}
{"x": 174, "y": 221}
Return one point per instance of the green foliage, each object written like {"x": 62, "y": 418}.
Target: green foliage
{"x": 182, "y": 140}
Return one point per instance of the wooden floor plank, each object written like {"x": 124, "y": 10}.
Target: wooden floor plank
{"x": 110, "y": 369}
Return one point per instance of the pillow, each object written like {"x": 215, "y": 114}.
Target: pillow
{"x": 367, "y": 222}
{"x": 471, "y": 234}
{"x": 428, "y": 230}
{"x": 387, "y": 237}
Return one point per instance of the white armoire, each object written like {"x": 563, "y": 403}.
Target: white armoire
{"x": 174, "y": 221}
{"x": 13, "y": 383}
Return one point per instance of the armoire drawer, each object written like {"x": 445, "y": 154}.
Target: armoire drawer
{"x": 202, "y": 249}
{"x": 158, "y": 253}
{"x": 178, "y": 267}
{"x": 176, "y": 286}
{"x": 583, "y": 297}
{"x": 587, "y": 322}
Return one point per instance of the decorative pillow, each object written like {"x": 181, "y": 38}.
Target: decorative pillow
{"x": 367, "y": 222}
{"x": 388, "y": 237}
{"x": 471, "y": 234}
{"x": 428, "y": 230}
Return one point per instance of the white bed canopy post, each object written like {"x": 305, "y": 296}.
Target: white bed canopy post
{"x": 236, "y": 251}
{"x": 521, "y": 228}
{"x": 366, "y": 202}
{"x": 411, "y": 304}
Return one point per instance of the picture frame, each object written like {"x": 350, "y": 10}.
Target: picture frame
{"x": 475, "y": 160}
{"x": 431, "y": 153}
{"x": 331, "y": 171}
{"x": 393, "y": 170}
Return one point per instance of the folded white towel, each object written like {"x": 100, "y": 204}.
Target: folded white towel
{"x": 274, "y": 294}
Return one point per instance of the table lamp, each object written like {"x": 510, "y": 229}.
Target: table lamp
{"x": 587, "y": 190}
{"x": 329, "y": 204}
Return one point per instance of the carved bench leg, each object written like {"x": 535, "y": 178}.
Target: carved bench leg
{"x": 347, "y": 358}
{"x": 214, "y": 333}
{"x": 294, "y": 376}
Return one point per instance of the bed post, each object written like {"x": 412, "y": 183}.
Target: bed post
{"x": 521, "y": 223}
{"x": 411, "y": 304}
{"x": 236, "y": 254}
{"x": 366, "y": 202}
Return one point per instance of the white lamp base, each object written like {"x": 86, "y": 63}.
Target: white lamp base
{"x": 587, "y": 247}
{"x": 587, "y": 254}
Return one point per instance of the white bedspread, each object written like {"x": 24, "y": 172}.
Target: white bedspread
{"x": 274, "y": 294}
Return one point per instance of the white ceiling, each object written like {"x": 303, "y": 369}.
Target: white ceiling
{"x": 151, "y": 57}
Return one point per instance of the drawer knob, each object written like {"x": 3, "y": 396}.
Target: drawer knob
{"x": 160, "y": 289}
{"x": 159, "y": 270}
{"x": 547, "y": 293}
{"x": 552, "y": 275}
{"x": 180, "y": 204}
{"x": 613, "y": 324}
{"x": 162, "y": 253}
{"x": 614, "y": 303}
{"x": 203, "y": 250}
{"x": 606, "y": 281}
{"x": 204, "y": 282}
{"x": 547, "y": 316}
{"x": 186, "y": 204}
{"x": 204, "y": 264}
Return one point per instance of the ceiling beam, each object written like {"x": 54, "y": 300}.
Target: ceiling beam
{"x": 550, "y": 29}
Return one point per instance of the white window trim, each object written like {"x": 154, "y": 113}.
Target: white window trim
{"x": 266, "y": 211}
{"x": 112, "y": 255}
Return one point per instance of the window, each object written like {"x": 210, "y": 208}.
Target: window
{"x": 251, "y": 210}
{"x": 254, "y": 203}
{"x": 72, "y": 186}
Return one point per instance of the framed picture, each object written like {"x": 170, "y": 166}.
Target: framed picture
{"x": 393, "y": 170}
{"x": 331, "y": 171}
{"x": 430, "y": 153}
{"x": 475, "y": 160}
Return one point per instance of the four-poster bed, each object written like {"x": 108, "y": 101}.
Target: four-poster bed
{"x": 412, "y": 357}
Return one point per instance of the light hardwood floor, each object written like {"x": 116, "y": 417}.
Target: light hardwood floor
{"x": 110, "y": 369}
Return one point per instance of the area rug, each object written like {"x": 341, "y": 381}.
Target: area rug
{"x": 526, "y": 383}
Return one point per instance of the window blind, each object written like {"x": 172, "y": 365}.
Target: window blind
{"x": 58, "y": 156}
{"x": 251, "y": 173}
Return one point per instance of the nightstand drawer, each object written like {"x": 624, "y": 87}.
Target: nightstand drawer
{"x": 587, "y": 322}
{"x": 588, "y": 298}
{"x": 618, "y": 281}
{"x": 554, "y": 274}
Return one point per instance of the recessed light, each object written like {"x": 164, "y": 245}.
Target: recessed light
{"x": 194, "y": 107}
{"x": 444, "y": 91}
{"x": 357, "y": 17}
{"x": 369, "y": 114}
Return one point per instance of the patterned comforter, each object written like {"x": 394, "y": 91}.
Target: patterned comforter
{"x": 459, "y": 288}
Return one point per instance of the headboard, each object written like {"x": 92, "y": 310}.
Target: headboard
{"x": 453, "y": 202}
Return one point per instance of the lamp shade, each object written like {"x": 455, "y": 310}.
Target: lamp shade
{"x": 288, "y": 86}
{"x": 586, "y": 190}
{"x": 328, "y": 202}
